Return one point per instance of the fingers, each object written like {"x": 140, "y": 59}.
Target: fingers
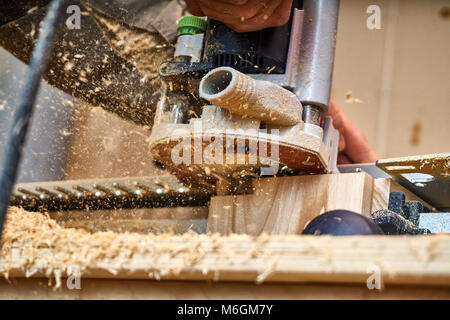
{"x": 342, "y": 143}
{"x": 280, "y": 14}
{"x": 336, "y": 114}
{"x": 230, "y": 13}
{"x": 355, "y": 145}
{"x": 358, "y": 148}
{"x": 244, "y": 15}
{"x": 343, "y": 159}
{"x": 275, "y": 13}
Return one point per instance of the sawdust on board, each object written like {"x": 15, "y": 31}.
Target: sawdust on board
{"x": 27, "y": 234}
{"x": 34, "y": 244}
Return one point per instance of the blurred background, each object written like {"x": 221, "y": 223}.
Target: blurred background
{"x": 393, "y": 82}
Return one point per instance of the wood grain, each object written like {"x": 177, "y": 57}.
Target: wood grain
{"x": 285, "y": 205}
{"x": 380, "y": 195}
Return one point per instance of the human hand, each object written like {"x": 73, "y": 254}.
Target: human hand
{"x": 353, "y": 145}
{"x": 244, "y": 15}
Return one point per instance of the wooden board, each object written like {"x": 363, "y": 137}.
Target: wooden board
{"x": 34, "y": 245}
{"x": 103, "y": 289}
{"x": 401, "y": 259}
{"x": 285, "y": 205}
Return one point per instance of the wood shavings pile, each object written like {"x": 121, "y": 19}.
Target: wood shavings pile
{"x": 33, "y": 243}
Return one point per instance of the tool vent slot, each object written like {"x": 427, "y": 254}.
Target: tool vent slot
{"x": 247, "y": 63}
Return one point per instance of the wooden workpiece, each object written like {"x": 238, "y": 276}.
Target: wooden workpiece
{"x": 402, "y": 260}
{"x": 35, "y": 288}
{"x": 35, "y": 246}
{"x": 284, "y": 205}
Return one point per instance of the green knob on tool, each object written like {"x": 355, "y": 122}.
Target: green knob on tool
{"x": 191, "y": 25}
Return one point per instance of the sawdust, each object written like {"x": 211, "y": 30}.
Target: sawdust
{"x": 34, "y": 244}
{"x": 350, "y": 99}
{"x": 433, "y": 164}
{"x": 263, "y": 276}
{"x": 145, "y": 50}
{"x": 27, "y": 234}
